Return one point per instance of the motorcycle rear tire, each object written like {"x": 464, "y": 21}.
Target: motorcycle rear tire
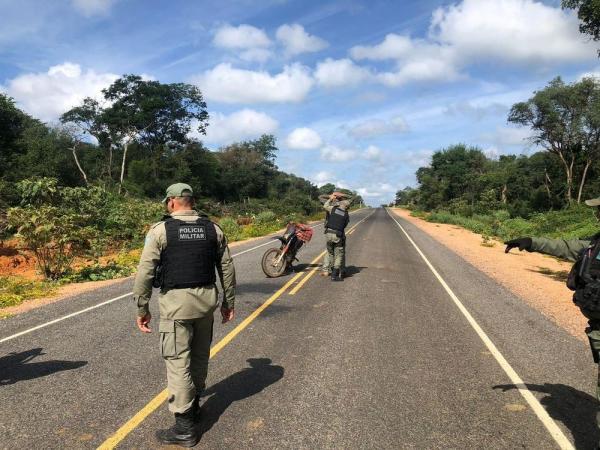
{"x": 271, "y": 270}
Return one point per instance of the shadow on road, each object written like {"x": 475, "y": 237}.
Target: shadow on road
{"x": 575, "y": 409}
{"x": 17, "y": 367}
{"x": 350, "y": 271}
{"x": 243, "y": 384}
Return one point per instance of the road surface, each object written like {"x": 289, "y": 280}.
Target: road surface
{"x": 415, "y": 349}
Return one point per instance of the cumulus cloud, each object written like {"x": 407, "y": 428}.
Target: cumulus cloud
{"x": 47, "y": 95}
{"x": 256, "y": 55}
{"x": 523, "y": 32}
{"x": 373, "y": 153}
{"x": 296, "y": 40}
{"x": 92, "y": 7}
{"x": 241, "y": 37}
{"x": 240, "y": 125}
{"x": 334, "y": 153}
{"x": 509, "y": 136}
{"x": 377, "y": 191}
{"x": 377, "y": 127}
{"x": 303, "y": 139}
{"x": 227, "y": 84}
{"x": 340, "y": 72}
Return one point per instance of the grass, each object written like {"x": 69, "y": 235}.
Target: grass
{"x": 15, "y": 290}
{"x": 575, "y": 222}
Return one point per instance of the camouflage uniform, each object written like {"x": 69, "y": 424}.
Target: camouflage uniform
{"x": 336, "y": 246}
{"x": 571, "y": 249}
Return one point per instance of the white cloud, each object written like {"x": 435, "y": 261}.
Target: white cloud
{"x": 225, "y": 83}
{"x": 509, "y": 136}
{"x": 373, "y": 153}
{"x": 244, "y": 124}
{"x": 378, "y": 127}
{"x": 523, "y": 31}
{"x": 376, "y": 191}
{"x": 340, "y": 72}
{"x": 92, "y": 7}
{"x": 333, "y": 153}
{"x": 296, "y": 40}
{"x": 303, "y": 139}
{"x": 47, "y": 95}
{"x": 241, "y": 37}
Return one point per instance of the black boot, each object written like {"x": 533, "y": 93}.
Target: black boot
{"x": 334, "y": 272}
{"x": 196, "y": 412}
{"x": 183, "y": 433}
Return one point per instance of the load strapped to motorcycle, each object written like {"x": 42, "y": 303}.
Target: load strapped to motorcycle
{"x": 276, "y": 261}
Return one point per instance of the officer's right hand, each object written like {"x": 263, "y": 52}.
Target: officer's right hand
{"x": 522, "y": 243}
{"x": 227, "y": 314}
{"x": 142, "y": 323}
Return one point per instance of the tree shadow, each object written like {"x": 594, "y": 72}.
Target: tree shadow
{"x": 577, "y": 410}
{"x": 17, "y": 367}
{"x": 243, "y": 384}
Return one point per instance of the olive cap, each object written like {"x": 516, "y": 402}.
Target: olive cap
{"x": 593, "y": 202}
{"x": 178, "y": 190}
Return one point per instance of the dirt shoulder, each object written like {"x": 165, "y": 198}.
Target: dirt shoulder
{"x": 538, "y": 279}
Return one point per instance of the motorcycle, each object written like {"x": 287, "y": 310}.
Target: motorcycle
{"x": 276, "y": 261}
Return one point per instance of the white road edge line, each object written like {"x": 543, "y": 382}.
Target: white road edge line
{"x": 68, "y": 316}
{"x": 533, "y": 402}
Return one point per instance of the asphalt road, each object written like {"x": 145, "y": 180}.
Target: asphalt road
{"x": 386, "y": 359}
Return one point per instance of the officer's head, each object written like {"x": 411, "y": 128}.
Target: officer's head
{"x": 595, "y": 202}
{"x": 179, "y": 196}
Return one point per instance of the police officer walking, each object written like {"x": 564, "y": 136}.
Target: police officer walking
{"x": 335, "y": 236}
{"x": 181, "y": 256}
{"x": 584, "y": 277}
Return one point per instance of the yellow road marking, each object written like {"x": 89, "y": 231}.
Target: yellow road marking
{"x": 306, "y": 278}
{"x": 157, "y": 401}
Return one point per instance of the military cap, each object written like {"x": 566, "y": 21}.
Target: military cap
{"x": 178, "y": 190}
{"x": 593, "y": 202}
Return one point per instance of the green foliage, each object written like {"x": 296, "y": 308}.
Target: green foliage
{"x": 15, "y": 290}
{"x": 232, "y": 230}
{"x": 575, "y": 222}
{"x": 588, "y": 12}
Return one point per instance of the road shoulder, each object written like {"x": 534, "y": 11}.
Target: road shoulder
{"x": 535, "y": 278}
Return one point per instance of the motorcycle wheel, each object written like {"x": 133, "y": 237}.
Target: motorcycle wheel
{"x": 269, "y": 266}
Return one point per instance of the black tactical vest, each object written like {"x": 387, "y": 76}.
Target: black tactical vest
{"x": 584, "y": 279}
{"x": 337, "y": 220}
{"x": 190, "y": 256}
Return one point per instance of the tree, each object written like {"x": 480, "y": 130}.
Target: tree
{"x": 555, "y": 114}
{"x": 588, "y": 12}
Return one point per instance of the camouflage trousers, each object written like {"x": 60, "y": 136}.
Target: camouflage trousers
{"x": 185, "y": 348}
{"x": 336, "y": 251}
{"x": 593, "y": 333}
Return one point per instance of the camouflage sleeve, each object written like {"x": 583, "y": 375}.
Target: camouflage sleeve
{"x": 142, "y": 287}
{"x": 328, "y": 205}
{"x": 561, "y": 248}
{"x": 226, "y": 271}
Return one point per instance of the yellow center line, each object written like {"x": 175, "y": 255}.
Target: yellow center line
{"x": 157, "y": 401}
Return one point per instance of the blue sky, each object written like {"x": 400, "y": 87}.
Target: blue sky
{"x": 358, "y": 93}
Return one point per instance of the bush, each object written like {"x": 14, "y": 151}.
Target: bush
{"x": 232, "y": 230}
{"x": 14, "y": 290}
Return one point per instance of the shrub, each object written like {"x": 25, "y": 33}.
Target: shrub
{"x": 232, "y": 230}
{"x": 14, "y": 290}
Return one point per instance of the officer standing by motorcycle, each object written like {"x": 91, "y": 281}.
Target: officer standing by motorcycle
{"x": 335, "y": 236}
{"x": 584, "y": 277}
{"x": 181, "y": 256}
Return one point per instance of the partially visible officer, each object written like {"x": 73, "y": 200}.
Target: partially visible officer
{"x": 584, "y": 277}
{"x": 335, "y": 236}
{"x": 326, "y": 267}
{"x": 181, "y": 255}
